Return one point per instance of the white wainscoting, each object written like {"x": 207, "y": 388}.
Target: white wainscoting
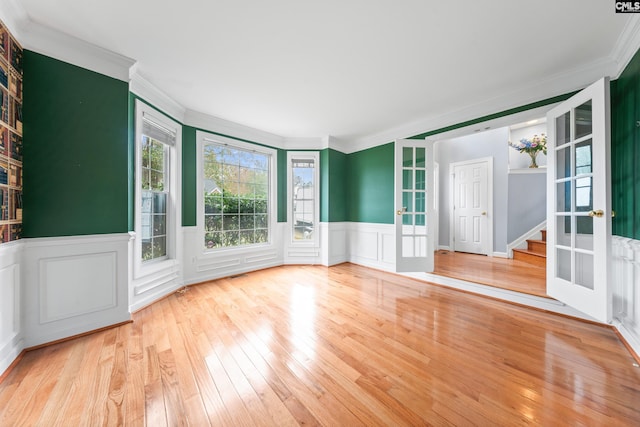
{"x": 11, "y": 336}
{"x": 304, "y": 253}
{"x": 626, "y": 289}
{"x": 73, "y": 285}
{"x": 200, "y": 266}
{"x": 372, "y": 245}
{"x": 331, "y": 248}
{"x": 336, "y": 243}
{"x": 150, "y": 282}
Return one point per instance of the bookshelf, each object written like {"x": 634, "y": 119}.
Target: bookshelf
{"x": 11, "y": 76}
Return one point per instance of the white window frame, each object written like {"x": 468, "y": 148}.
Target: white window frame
{"x": 173, "y": 166}
{"x": 203, "y": 138}
{"x": 304, "y": 155}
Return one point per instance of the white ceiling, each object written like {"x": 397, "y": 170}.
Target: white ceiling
{"x": 351, "y": 69}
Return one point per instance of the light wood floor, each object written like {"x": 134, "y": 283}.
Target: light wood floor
{"x": 340, "y": 346}
{"x": 493, "y": 271}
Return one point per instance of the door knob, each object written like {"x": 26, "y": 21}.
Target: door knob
{"x": 484, "y": 213}
{"x": 401, "y": 211}
{"x": 598, "y": 214}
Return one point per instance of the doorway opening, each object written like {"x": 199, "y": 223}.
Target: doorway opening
{"x": 489, "y": 202}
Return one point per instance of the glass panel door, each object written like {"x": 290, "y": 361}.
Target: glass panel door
{"x": 578, "y": 219}
{"x": 414, "y": 198}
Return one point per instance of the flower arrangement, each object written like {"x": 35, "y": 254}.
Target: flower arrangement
{"x": 532, "y": 147}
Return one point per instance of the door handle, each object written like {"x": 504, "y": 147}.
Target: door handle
{"x": 484, "y": 213}
{"x": 401, "y": 211}
{"x": 598, "y": 213}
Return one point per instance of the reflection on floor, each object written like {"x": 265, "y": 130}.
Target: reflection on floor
{"x": 499, "y": 272}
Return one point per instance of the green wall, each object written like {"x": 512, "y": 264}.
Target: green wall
{"x": 370, "y": 185}
{"x": 625, "y": 150}
{"x": 189, "y": 193}
{"x": 324, "y": 185}
{"x": 282, "y": 185}
{"x": 333, "y": 186}
{"x": 75, "y": 150}
{"x": 79, "y": 168}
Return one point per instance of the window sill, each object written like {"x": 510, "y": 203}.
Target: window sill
{"x": 147, "y": 269}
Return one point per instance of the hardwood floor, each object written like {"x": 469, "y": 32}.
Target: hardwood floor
{"x": 499, "y": 272}
{"x": 340, "y": 346}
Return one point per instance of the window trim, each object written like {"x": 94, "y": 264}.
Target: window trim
{"x": 174, "y": 211}
{"x": 205, "y": 137}
{"x": 304, "y": 155}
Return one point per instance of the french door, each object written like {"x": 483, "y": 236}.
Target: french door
{"x": 579, "y": 203}
{"x": 414, "y": 186}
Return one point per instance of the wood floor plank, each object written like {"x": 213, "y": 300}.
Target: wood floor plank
{"x": 346, "y": 345}
{"x": 25, "y": 403}
{"x": 71, "y": 397}
{"x": 502, "y": 273}
{"x": 134, "y": 401}
{"x": 154, "y": 407}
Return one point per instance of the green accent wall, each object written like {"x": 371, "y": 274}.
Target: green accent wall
{"x": 324, "y": 185}
{"x": 79, "y": 157}
{"x": 76, "y": 150}
{"x": 625, "y": 151}
{"x": 189, "y": 194}
{"x": 370, "y": 185}
{"x": 333, "y": 186}
{"x": 282, "y": 185}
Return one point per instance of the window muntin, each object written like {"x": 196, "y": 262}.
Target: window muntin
{"x": 303, "y": 182}
{"x": 303, "y": 195}
{"x": 154, "y": 181}
{"x": 153, "y": 211}
{"x": 236, "y": 193}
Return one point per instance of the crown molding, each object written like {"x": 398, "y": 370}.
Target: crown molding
{"x": 311, "y": 143}
{"x": 64, "y": 47}
{"x": 545, "y": 88}
{"x": 627, "y": 45}
{"x": 225, "y": 127}
{"x": 140, "y": 86}
{"x": 55, "y": 44}
{"x": 336, "y": 144}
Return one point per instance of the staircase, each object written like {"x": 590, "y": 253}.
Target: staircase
{"x": 536, "y": 252}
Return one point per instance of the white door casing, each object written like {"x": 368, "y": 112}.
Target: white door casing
{"x": 414, "y": 186}
{"x": 579, "y": 203}
{"x": 471, "y": 211}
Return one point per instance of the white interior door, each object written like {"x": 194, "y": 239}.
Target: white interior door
{"x": 578, "y": 203}
{"x": 470, "y": 207}
{"x": 414, "y": 205}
